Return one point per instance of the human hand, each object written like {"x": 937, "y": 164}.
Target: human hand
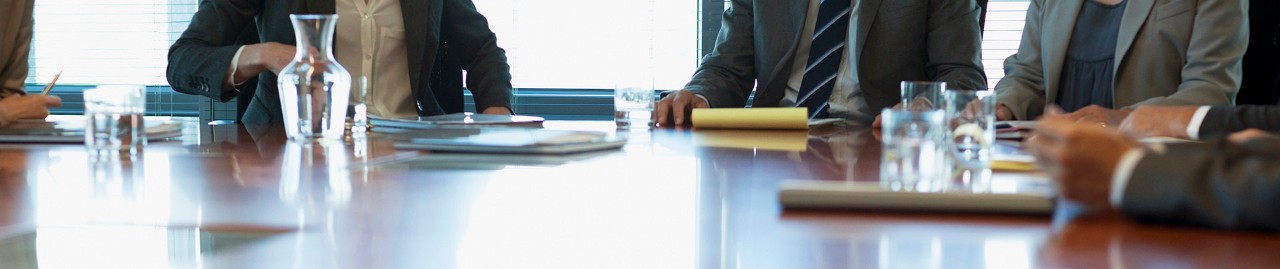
{"x": 267, "y": 56}
{"x": 496, "y": 110}
{"x": 1094, "y": 114}
{"x": 1081, "y": 157}
{"x": 875, "y": 124}
{"x": 676, "y": 108}
{"x": 32, "y": 106}
{"x": 1004, "y": 113}
{"x": 1242, "y": 137}
{"x": 1169, "y": 121}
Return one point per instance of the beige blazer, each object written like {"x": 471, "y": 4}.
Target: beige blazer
{"x": 15, "y": 44}
{"x": 1168, "y": 52}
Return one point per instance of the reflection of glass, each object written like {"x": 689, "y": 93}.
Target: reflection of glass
{"x": 970, "y": 137}
{"x": 114, "y": 121}
{"x": 314, "y": 88}
{"x": 922, "y": 95}
{"x": 912, "y": 156}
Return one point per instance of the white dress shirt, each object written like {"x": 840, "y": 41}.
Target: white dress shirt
{"x": 1129, "y": 161}
{"x": 369, "y": 41}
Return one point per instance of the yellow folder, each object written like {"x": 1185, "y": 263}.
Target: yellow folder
{"x": 786, "y": 118}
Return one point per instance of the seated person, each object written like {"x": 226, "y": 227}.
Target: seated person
{"x": 208, "y": 59}
{"x": 1227, "y": 184}
{"x": 1088, "y": 55}
{"x": 15, "y": 46}
{"x": 838, "y": 59}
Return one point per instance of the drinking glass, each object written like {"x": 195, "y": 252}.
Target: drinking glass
{"x": 633, "y": 105}
{"x": 970, "y": 125}
{"x": 114, "y": 119}
{"x": 912, "y": 152}
{"x": 922, "y": 95}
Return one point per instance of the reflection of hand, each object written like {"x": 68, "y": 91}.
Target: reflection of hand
{"x": 1159, "y": 121}
{"x": 32, "y": 106}
{"x": 1082, "y": 157}
{"x": 676, "y": 108}
{"x": 1095, "y": 114}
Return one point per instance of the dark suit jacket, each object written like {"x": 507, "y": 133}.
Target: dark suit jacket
{"x": 1216, "y": 184}
{"x": 899, "y": 40}
{"x": 442, "y": 36}
{"x": 1224, "y": 120}
{"x": 1261, "y": 84}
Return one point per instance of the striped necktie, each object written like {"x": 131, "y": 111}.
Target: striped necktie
{"x": 830, "y": 34}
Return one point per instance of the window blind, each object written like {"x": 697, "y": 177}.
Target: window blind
{"x": 106, "y": 41}
{"x": 1003, "y": 33}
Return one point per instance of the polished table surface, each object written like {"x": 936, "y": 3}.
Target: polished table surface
{"x": 232, "y": 196}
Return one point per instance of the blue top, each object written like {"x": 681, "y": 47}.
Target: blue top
{"x": 1088, "y": 71}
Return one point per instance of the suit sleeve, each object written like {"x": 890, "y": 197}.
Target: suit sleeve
{"x": 1022, "y": 88}
{"x": 199, "y": 59}
{"x": 1213, "y": 69}
{"x": 955, "y": 45}
{"x": 1224, "y": 120}
{"x": 13, "y": 71}
{"x": 727, "y": 75}
{"x": 1217, "y": 184}
{"x": 488, "y": 74}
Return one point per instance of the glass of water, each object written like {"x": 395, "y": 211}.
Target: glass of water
{"x": 633, "y": 105}
{"x": 114, "y": 119}
{"x": 971, "y": 119}
{"x": 912, "y": 152}
{"x": 922, "y": 95}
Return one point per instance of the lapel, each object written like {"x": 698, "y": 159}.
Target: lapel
{"x": 866, "y": 16}
{"x": 415, "y": 13}
{"x": 792, "y": 13}
{"x": 1135, "y": 15}
{"x": 1056, "y": 30}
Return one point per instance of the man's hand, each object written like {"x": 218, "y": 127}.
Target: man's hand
{"x": 32, "y": 106}
{"x": 1170, "y": 121}
{"x": 1242, "y": 137}
{"x": 676, "y": 108}
{"x": 257, "y": 58}
{"x": 1094, "y": 114}
{"x": 1082, "y": 158}
{"x": 496, "y": 110}
{"x": 1003, "y": 112}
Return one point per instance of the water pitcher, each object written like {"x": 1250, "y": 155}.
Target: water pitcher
{"x": 314, "y": 88}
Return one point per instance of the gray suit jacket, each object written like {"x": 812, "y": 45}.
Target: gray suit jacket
{"x": 1169, "y": 52}
{"x": 15, "y": 45}
{"x": 1216, "y": 184}
{"x": 199, "y": 60}
{"x": 1224, "y": 120}
{"x": 898, "y": 40}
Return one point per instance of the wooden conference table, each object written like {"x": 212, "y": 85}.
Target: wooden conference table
{"x": 232, "y": 196}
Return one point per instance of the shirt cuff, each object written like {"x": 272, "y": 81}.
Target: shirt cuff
{"x": 1193, "y": 127}
{"x": 704, "y": 99}
{"x": 231, "y": 72}
{"x": 1124, "y": 171}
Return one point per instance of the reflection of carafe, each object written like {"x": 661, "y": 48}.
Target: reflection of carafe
{"x": 314, "y": 88}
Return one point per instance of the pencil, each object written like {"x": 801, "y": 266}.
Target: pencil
{"x": 49, "y": 87}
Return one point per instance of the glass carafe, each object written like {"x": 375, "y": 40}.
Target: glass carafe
{"x": 314, "y": 88}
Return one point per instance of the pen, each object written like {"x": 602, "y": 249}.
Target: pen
{"x": 49, "y": 87}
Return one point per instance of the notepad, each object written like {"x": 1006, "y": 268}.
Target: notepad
{"x": 871, "y": 196}
{"x": 465, "y": 119}
{"x": 507, "y": 140}
{"x": 72, "y": 131}
{"x": 790, "y": 118}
